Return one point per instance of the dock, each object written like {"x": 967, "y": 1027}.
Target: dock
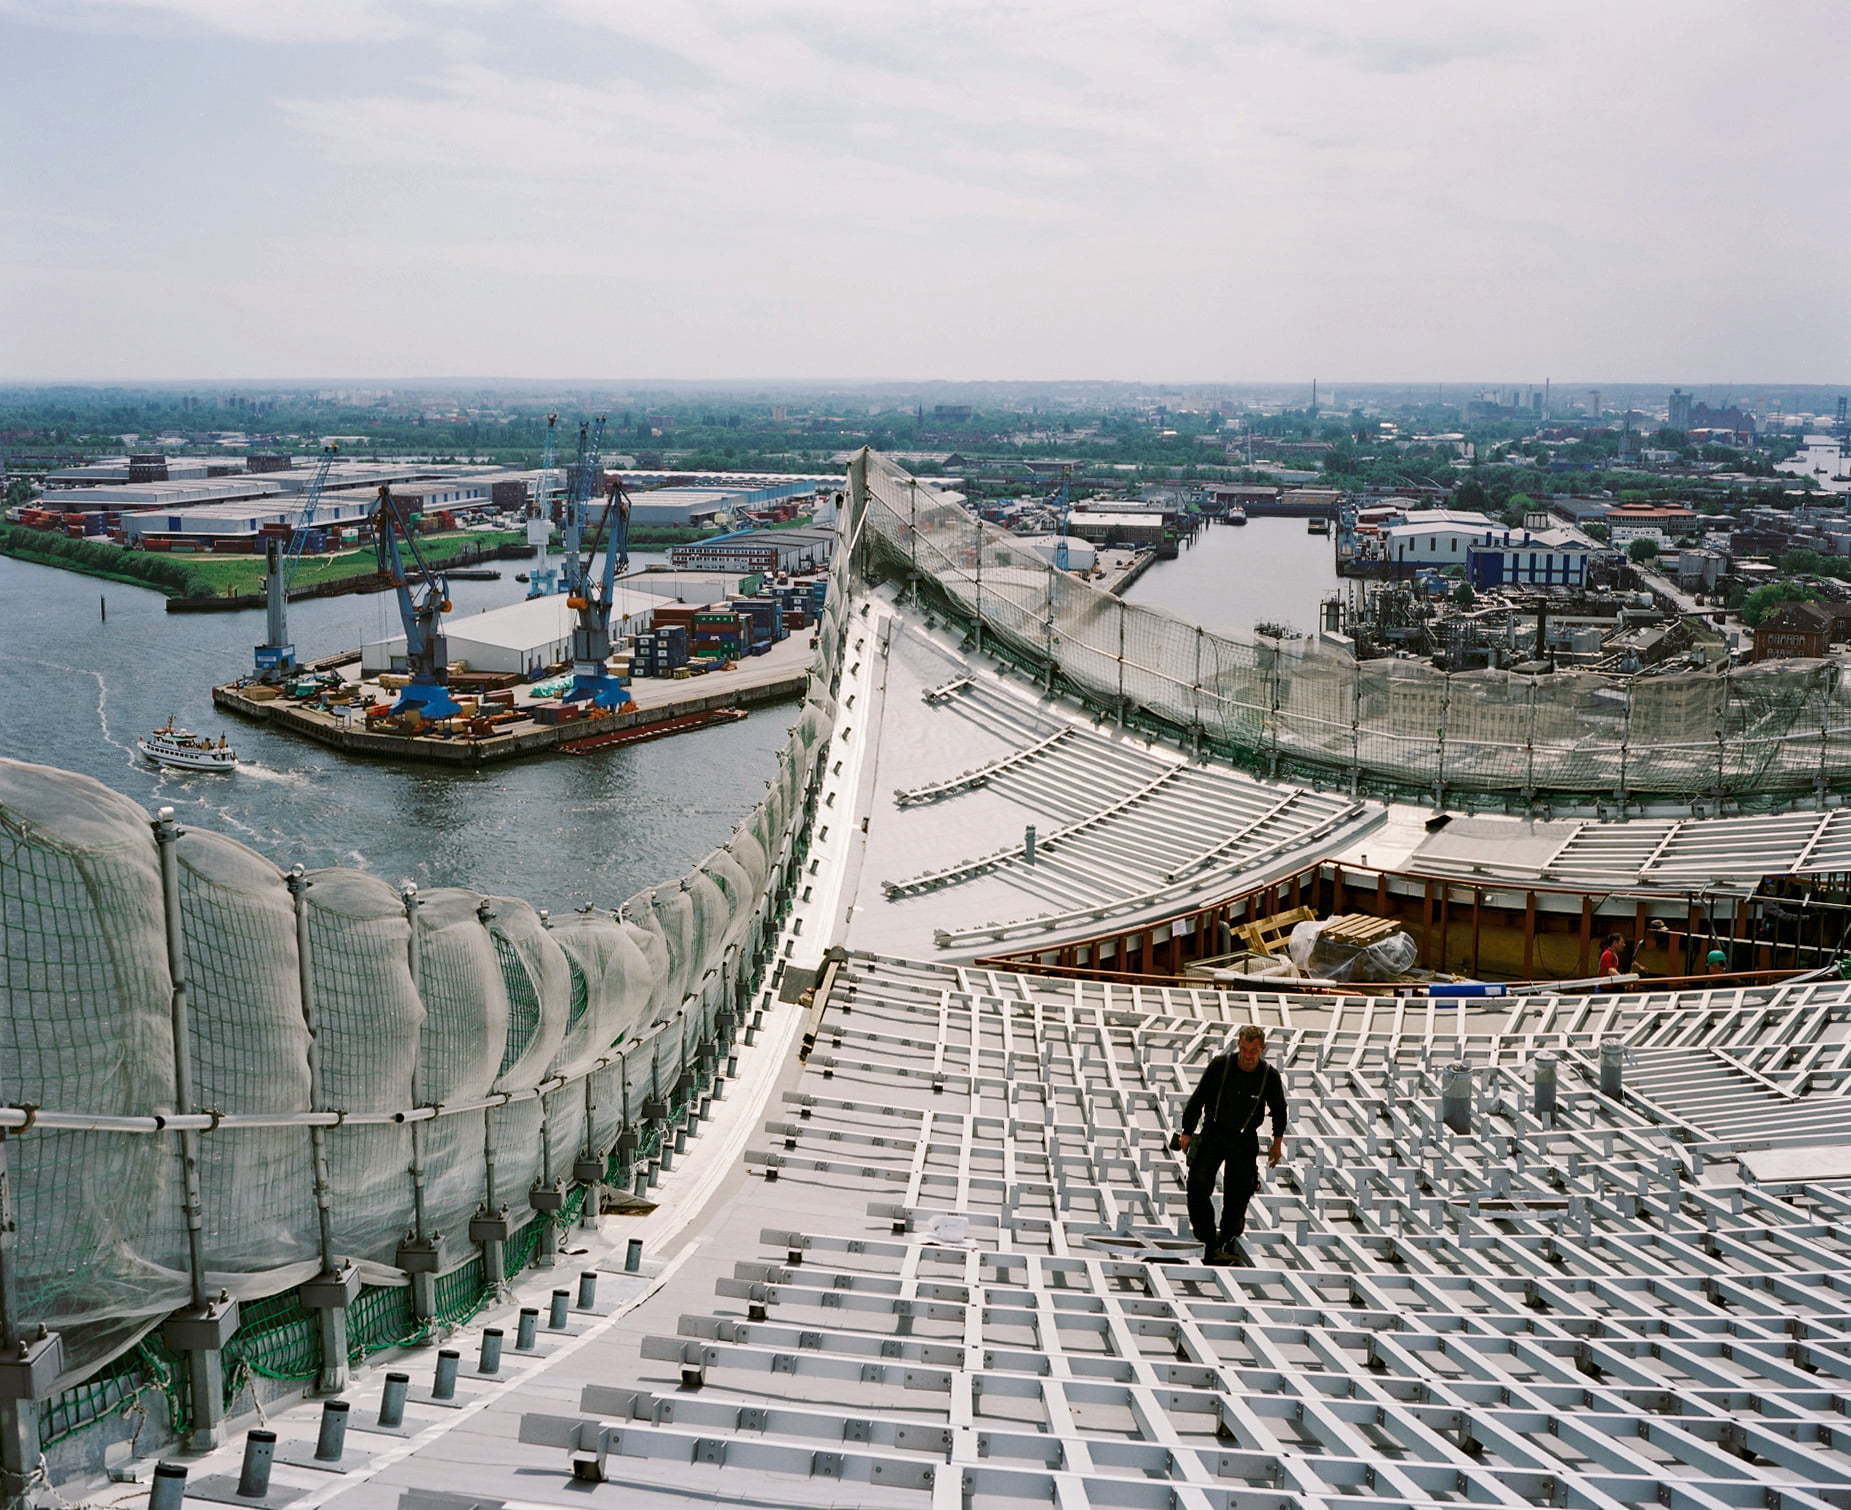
{"x": 780, "y": 674}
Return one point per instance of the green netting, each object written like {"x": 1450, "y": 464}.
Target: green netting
{"x": 523, "y": 1002}
{"x": 382, "y": 1317}
{"x": 517, "y": 1253}
{"x": 276, "y": 1339}
{"x": 462, "y": 1292}
{"x": 111, "y": 1391}
{"x": 581, "y": 994}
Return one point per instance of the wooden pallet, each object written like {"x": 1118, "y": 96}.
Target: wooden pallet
{"x": 1268, "y": 935}
{"x": 1358, "y": 928}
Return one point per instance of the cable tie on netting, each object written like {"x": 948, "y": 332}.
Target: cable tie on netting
{"x": 339, "y": 1115}
{"x": 31, "y": 1109}
{"x": 216, "y": 1115}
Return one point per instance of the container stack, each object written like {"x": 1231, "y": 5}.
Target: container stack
{"x": 721, "y": 636}
{"x": 659, "y": 652}
{"x": 765, "y": 618}
{"x": 800, "y": 602}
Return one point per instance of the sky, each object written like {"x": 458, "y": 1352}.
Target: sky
{"x": 1184, "y": 190}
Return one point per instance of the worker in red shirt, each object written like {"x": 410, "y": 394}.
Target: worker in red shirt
{"x": 1610, "y": 955}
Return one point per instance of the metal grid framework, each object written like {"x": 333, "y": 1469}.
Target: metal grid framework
{"x": 1124, "y": 827}
{"x": 1724, "y": 854}
{"x": 1587, "y": 1309}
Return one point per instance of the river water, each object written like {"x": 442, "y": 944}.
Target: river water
{"x": 1235, "y": 576}
{"x": 76, "y": 689}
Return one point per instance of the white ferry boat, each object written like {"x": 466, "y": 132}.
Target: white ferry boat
{"x": 1235, "y": 514}
{"x": 189, "y": 752}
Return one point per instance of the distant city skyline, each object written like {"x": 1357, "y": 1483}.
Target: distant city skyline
{"x": 826, "y": 192}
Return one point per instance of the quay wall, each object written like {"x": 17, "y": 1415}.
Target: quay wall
{"x": 537, "y": 739}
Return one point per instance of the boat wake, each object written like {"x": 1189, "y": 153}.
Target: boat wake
{"x": 250, "y": 770}
{"x": 129, "y": 752}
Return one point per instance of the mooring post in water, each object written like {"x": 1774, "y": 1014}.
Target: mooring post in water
{"x": 102, "y": 607}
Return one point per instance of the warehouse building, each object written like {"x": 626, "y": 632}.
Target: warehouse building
{"x": 354, "y": 476}
{"x": 1120, "y": 526}
{"x": 758, "y": 551}
{"x": 520, "y": 639}
{"x": 1441, "y": 537}
{"x": 1543, "y": 558}
{"x": 121, "y": 469}
{"x": 234, "y": 526}
{"x": 1081, "y": 554}
{"x": 680, "y": 507}
{"x": 136, "y": 496}
{"x": 698, "y": 587}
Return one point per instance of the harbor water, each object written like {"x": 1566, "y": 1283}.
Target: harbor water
{"x": 1231, "y": 577}
{"x": 77, "y": 688}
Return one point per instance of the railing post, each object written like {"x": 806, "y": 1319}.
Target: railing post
{"x": 589, "y": 1169}
{"x": 548, "y": 1196}
{"x": 331, "y": 1291}
{"x": 206, "y": 1325}
{"x": 491, "y": 1226}
{"x": 420, "y": 1251}
{"x": 30, "y": 1363}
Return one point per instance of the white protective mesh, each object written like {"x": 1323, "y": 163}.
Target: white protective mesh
{"x": 443, "y": 1000}
{"x": 1764, "y": 736}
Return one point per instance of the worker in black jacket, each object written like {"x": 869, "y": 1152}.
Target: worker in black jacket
{"x": 1236, "y": 1092}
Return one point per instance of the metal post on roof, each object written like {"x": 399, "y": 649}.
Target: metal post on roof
{"x": 330, "y": 1292}
{"x": 202, "y": 1329}
{"x": 419, "y": 1251}
{"x": 30, "y": 1363}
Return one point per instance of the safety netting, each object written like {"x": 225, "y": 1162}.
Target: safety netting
{"x": 1756, "y": 737}
{"x": 448, "y": 1051}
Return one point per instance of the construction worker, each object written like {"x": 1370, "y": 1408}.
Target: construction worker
{"x": 1236, "y": 1092}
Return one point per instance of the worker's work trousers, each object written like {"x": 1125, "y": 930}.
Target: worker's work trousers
{"x": 1239, "y": 1155}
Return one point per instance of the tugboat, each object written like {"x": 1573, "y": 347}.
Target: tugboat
{"x": 187, "y": 752}
{"x": 1317, "y": 525}
{"x": 1235, "y": 514}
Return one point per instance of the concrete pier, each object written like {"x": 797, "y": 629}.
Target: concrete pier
{"x": 781, "y": 673}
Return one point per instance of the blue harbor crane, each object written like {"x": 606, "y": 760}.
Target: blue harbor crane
{"x": 275, "y": 659}
{"x": 421, "y": 611}
{"x": 591, "y": 601}
{"x": 543, "y": 580}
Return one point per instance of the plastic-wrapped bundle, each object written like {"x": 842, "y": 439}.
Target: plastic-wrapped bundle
{"x": 1327, "y": 959}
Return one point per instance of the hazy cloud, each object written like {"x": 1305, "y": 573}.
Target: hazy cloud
{"x": 1259, "y": 189}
